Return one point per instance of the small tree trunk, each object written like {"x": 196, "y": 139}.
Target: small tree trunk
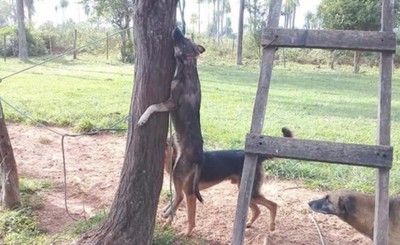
{"x": 5, "y": 48}
{"x": 51, "y": 46}
{"x": 22, "y": 43}
{"x": 357, "y": 58}
{"x": 333, "y": 59}
{"x": 132, "y": 215}
{"x": 9, "y": 173}
{"x": 123, "y": 45}
{"x": 107, "y": 45}
{"x": 75, "y": 39}
{"x": 239, "y": 55}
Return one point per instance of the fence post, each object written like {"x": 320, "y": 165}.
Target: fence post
{"x": 107, "y": 45}
{"x": 75, "y": 38}
{"x": 4, "y": 48}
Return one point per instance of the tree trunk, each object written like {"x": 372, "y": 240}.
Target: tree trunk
{"x": 75, "y": 39}
{"x": 357, "y": 58}
{"x": 9, "y": 173}
{"x": 22, "y": 43}
{"x": 199, "y": 20}
{"x": 294, "y": 16}
{"x": 132, "y": 214}
{"x": 123, "y": 44}
{"x": 333, "y": 59}
{"x": 182, "y": 5}
{"x": 239, "y": 56}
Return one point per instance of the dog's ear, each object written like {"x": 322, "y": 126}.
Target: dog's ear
{"x": 347, "y": 204}
{"x": 201, "y": 49}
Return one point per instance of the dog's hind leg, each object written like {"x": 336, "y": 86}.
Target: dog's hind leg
{"x": 196, "y": 180}
{"x": 168, "y": 105}
{"x": 255, "y": 212}
{"x": 272, "y": 207}
{"x": 191, "y": 212}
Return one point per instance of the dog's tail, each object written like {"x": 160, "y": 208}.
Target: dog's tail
{"x": 196, "y": 183}
{"x": 287, "y": 132}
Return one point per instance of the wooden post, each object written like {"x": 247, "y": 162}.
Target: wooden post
{"x": 4, "y": 48}
{"x": 107, "y": 45}
{"x": 381, "y": 225}
{"x": 9, "y": 174}
{"x": 256, "y": 127}
{"x": 75, "y": 39}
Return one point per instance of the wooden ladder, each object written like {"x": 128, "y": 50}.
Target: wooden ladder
{"x": 378, "y": 156}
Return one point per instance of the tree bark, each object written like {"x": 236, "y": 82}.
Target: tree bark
{"x": 239, "y": 55}
{"x": 357, "y": 59}
{"x": 22, "y": 43}
{"x": 132, "y": 214}
{"x": 9, "y": 174}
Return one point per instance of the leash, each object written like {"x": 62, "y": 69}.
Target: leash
{"x": 171, "y": 176}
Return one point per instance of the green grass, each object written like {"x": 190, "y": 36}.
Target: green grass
{"x": 20, "y": 225}
{"x": 316, "y": 103}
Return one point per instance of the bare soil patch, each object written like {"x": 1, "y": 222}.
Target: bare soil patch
{"x": 93, "y": 168}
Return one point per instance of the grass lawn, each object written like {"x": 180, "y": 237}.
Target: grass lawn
{"x": 316, "y": 103}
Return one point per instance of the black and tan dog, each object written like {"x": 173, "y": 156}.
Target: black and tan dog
{"x": 184, "y": 105}
{"x": 358, "y": 210}
{"x": 219, "y": 166}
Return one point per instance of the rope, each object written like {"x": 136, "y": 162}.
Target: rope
{"x": 171, "y": 177}
{"x": 63, "y": 54}
{"x": 318, "y": 229}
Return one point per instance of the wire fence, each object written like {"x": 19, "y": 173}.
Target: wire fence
{"x": 63, "y": 135}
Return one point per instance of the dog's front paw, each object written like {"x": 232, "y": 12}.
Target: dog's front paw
{"x": 248, "y": 225}
{"x": 142, "y": 121}
{"x": 166, "y": 214}
{"x": 272, "y": 226}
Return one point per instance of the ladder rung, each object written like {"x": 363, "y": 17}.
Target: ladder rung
{"x": 328, "y": 39}
{"x": 321, "y": 151}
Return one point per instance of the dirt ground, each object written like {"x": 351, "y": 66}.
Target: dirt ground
{"x": 93, "y": 168}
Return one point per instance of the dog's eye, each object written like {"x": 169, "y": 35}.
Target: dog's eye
{"x": 327, "y": 197}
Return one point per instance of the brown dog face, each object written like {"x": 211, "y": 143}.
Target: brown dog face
{"x": 184, "y": 48}
{"x": 339, "y": 203}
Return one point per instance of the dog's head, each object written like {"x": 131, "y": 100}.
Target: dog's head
{"x": 184, "y": 48}
{"x": 339, "y": 203}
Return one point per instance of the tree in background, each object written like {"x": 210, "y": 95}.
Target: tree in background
{"x": 257, "y": 20}
{"x": 5, "y": 13}
{"x": 239, "y": 52}
{"x": 351, "y": 15}
{"x": 311, "y": 21}
{"x": 63, "y": 5}
{"x": 29, "y": 5}
{"x": 289, "y": 12}
{"x": 182, "y": 6}
{"x": 118, "y": 12}
{"x": 133, "y": 212}
{"x": 22, "y": 43}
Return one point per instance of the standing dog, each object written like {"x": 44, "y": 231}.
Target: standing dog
{"x": 184, "y": 105}
{"x": 358, "y": 210}
{"x": 219, "y": 166}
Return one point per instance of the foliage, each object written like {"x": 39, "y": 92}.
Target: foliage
{"x": 5, "y": 13}
{"x": 257, "y": 20}
{"x": 119, "y": 14}
{"x": 350, "y": 15}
